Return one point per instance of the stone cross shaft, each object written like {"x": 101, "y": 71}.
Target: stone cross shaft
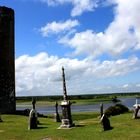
{"x": 64, "y": 84}
{"x": 56, "y": 107}
{"x": 33, "y": 103}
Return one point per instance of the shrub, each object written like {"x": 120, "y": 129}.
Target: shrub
{"x": 116, "y": 110}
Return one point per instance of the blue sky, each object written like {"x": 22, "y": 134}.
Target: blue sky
{"x": 97, "y": 41}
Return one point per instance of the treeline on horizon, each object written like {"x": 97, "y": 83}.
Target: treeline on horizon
{"x": 78, "y": 97}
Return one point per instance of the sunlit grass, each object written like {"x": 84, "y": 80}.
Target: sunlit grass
{"x": 15, "y": 127}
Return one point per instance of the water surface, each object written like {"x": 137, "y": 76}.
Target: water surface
{"x": 129, "y": 102}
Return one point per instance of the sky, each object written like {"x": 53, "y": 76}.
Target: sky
{"x": 96, "y": 41}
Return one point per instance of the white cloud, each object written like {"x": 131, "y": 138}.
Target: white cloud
{"x": 122, "y": 88}
{"x": 121, "y": 35}
{"x": 79, "y": 6}
{"x": 85, "y": 43}
{"x": 116, "y": 68}
{"x": 58, "y": 27}
{"x": 125, "y": 86}
{"x": 41, "y": 74}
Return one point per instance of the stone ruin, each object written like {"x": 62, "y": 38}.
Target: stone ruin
{"x": 7, "y": 61}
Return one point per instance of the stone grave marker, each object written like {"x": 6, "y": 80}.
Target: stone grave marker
{"x": 105, "y": 122}
{"x": 33, "y": 117}
{"x": 66, "y": 107}
{"x": 136, "y": 110}
{"x": 56, "y": 115}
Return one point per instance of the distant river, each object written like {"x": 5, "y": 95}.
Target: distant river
{"x": 129, "y": 102}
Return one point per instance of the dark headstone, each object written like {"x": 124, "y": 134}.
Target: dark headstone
{"x": 56, "y": 115}
{"x": 105, "y": 123}
{"x": 33, "y": 117}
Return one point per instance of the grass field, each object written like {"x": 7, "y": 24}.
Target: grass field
{"x": 74, "y": 102}
{"x": 14, "y": 127}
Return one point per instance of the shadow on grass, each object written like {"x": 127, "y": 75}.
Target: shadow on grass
{"x": 108, "y": 129}
{"x": 84, "y": 116}
{"x": 42, "y": 127}
{"x": 79, "y": 125}
{"x": 40, "y": 123}
{"x": 138, "y": 117}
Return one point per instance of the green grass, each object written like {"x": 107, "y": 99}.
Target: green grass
{"x": 38, "y": 103}
{"x": 90, "y": 101}
{"x": 14, "y": 127}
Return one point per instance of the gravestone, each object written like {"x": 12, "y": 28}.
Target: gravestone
{"x": 56, "y": 115}
{"x": 33, "y": 117}
{"x": 66, "y": 115}
{"x": 135, "y": 114}
{"x": 66, "y": 107}
{"x": 136, "y": 110}
{"x": 105, "y": 122}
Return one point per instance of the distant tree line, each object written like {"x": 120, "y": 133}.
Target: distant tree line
{"x": 78, "y": 97}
